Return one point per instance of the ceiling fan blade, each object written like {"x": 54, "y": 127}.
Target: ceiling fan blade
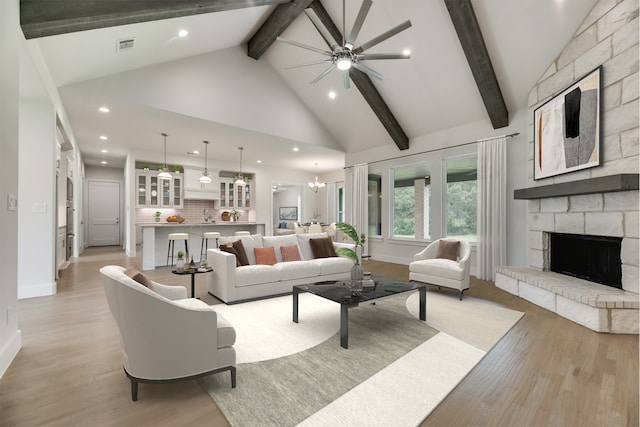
{"x": 304, "y": 46}
{"x": 357, "y": 25}
{"x": 382, "y": 37}
{"x": 347, "y": 82}
{"x": 372, "y": 56}
{"x": 327, "y": 71}
{"x": 307, "y": 64}
{"x": 367, "y": 70}
{"x": 321, "y": 28}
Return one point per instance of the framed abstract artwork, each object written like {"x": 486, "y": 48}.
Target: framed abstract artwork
{"x": 289, "y": 213}
{"x": 566, "y": 129}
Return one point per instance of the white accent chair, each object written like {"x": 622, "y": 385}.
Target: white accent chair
{"x": 442, "y": 272}
{"x": 298, "y": 228}
{"x": 332, "y": 231}
{"x": 165, "y": 336}
{"x": 314, "y": 228}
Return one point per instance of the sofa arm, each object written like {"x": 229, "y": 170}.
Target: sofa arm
{"x": 221, "y": 281}
{"x": 170, "y": 292}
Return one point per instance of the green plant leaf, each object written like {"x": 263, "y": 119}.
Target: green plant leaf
{"x": 349, "y": 230}
{"x": 350, "y": 253}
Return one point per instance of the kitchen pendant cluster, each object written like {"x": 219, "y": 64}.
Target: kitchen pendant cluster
{"x": 164, "y": 173}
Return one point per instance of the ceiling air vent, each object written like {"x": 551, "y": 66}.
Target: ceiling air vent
{"x": 125, "y": 44}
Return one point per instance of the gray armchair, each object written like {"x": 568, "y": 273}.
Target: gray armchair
{"x": 165, "y": 336}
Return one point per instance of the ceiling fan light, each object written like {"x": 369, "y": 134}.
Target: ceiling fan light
{"x": 343, "y": 64}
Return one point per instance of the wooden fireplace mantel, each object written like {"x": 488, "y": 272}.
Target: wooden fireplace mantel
{"x": 603, "y": 184}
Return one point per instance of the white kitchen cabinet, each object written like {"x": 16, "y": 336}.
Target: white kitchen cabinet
{"x": 234, "y": 196}
{"x": 194, "y": 189}
{"x": 152, "y": 192}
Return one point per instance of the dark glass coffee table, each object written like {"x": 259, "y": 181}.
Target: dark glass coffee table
{"x": 339, "y": 292}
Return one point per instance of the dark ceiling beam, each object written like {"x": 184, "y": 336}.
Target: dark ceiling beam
{"x": 40, "y": 18}
{"x": 365, "y": 86}
{"x": 278, "y": 21}
{"x": 466, "y": 25}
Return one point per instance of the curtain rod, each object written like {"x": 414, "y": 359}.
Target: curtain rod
{"x": 438, "y": 149}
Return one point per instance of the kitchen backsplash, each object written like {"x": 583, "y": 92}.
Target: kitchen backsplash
{"x": 193, "y": 212}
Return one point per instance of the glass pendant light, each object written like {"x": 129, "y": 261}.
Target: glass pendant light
{"x": 205, "y": 178}
{"x": 240, "y": 180}
{"x": 164, "y": 173}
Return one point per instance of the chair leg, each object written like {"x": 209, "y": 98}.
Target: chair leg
{"x": 233, "y": 377}
{"x": 461, "y": 294}
{"x": 170, "y": 251}
{"x": 186, "y": 249}
{"x": 134, "y": 390}
{"x": 202, "y": 244}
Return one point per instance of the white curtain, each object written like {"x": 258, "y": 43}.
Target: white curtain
{"x": 492, "y": 206}
{"x": 360, "y": 211}
{"x": 332, "y": 206}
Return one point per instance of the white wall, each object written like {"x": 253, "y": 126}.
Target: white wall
{"x": 10, "y": 36}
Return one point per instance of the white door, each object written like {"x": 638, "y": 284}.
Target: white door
{"x": 104, "y": 213}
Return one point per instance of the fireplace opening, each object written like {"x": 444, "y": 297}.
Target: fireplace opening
{"x": 593, "y": 258}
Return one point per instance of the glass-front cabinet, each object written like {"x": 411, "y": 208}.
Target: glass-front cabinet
{"x": 154, "y": 193}
{"x": 234, "y": 196}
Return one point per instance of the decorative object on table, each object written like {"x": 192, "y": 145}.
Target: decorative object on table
{"x": 180, "y": 262}
{"x": 359, "y": 240}
{"x": 240, "y": 178}
{"x": 234, "y": 214}
{"x": 566, "y": 131}
{"x": 192, "y": 265}
{"x": 344, "y": 54}
{"x": 205, "y": 178}
{"x": 175, "y": 218}
{"x": 225, "y": 216}
{"x": 156, "y": 215}
{"x": 164, "y": 172}
{"x": 288, "y": 213}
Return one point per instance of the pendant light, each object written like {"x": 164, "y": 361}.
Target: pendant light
{"x": 205, "y": 178}
{"x": 164, "y": 173}
{"x": 240, "y": 180}
{"x": 316, "y": 185}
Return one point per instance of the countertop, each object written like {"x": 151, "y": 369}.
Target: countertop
{"x": 195, "y": 224}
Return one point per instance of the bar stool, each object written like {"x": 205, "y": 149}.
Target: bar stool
{"x": 172, "y": 238}
{"x": 205, "y": 241}
{"x": 242, "y": 233}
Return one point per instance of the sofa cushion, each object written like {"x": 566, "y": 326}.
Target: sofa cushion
{"x": 305, "y": 247}
{"x": 298, "y": 270}
{"x": 322, "y": 248}
{"x": 448, "y": 249}
{"x": 334, "y": 265}
{"x": 139, "y": 277}
{"x": 230, "y": 249}
{"x": 277, "y": 242}
{"x": 249, "y": 242}
{"x": 265, "y": 256}
{"x": 236, "y": 248}
{"x": 256, "y": 274}
{"x": 438, "y": 267}
{"x": 290, "y": 253}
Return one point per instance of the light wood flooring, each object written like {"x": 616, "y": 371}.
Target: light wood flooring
{"x": 547, "y": 371}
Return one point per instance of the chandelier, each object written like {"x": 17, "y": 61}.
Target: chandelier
{"x": 315, "y": 185}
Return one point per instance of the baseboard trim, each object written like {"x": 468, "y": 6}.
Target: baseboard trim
{"x": 33, "y": 291}
{"x": 10, "y": 351}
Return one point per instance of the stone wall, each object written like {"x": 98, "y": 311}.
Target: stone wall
{"x": 607, "y": 37}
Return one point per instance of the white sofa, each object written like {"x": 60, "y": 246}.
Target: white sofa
{"x": 233, "y": 284}
{"x": 152, "y": 324}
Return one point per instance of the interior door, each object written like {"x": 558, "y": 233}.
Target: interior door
{"x": 104, "y": 213}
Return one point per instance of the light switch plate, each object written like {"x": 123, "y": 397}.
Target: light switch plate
{"x": 39, "y": 208}
{"x": 11, "y": 202}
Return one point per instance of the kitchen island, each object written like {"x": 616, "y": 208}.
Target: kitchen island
{"x": 155, "y": 240}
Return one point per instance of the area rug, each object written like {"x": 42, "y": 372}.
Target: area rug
{"x": 396, "y": 370}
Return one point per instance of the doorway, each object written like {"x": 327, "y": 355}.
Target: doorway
{"x": 103, "y": 213}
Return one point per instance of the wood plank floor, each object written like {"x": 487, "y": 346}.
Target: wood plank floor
{"x": 547, "y": 371}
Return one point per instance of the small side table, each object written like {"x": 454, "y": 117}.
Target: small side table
{"x": 192, "y": 272}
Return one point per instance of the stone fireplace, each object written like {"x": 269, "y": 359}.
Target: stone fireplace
{"x": 583, "y": 252}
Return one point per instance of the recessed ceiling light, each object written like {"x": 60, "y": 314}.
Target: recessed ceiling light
{"x": 258, "y": 161}
{"x": 332, "y": 95}
{"x": 103, "y": 151}
{"x": 104, "y": 162}
{"x": 406, "y": 52}
{"x": 103, "y": 137}
{"x": 183, "y": 33}
{"x": 296, "y": 149}
{"x": 195, "y": 152}
{"x": 104, "y": 109}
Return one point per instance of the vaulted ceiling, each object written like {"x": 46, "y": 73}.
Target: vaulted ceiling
{"x": 229, "y": 80}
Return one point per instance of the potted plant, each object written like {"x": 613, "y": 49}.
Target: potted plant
{"x": 156, "y": 215}
{"x": 180, "y": 262}
{"x": 177, "y": 169}
{"x": 235, "y": 213}
{"x": 358, "y": 240}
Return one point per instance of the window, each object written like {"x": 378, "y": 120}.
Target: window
{"x": 411, "y": 201}
{"x": 461, "y": 195}
{"x": 374, "y": 199}
{"x": 340, "y": 213}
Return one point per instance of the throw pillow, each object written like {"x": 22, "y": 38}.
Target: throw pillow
{"x": 448, "y": 249}
{"x": 229, "y": 248}
{"x": 242, "y": 254}
{"x": 322, "y": 248}
{"x": 265, "y": 256}
{"x": 139, "y": 277}
{"x": 290, "y": 253}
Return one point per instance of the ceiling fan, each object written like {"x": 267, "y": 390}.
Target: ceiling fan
{"x": 344, "y": 54}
